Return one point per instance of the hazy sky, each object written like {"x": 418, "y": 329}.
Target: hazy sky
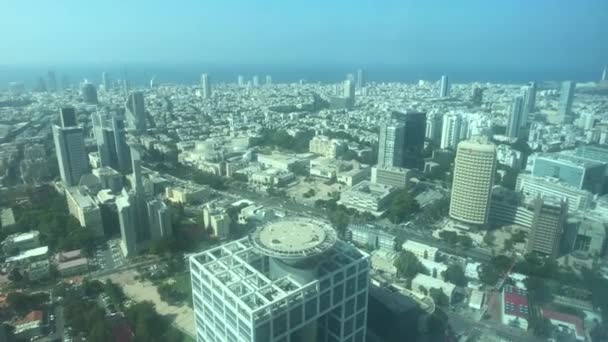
{"x": 501, "y": 33}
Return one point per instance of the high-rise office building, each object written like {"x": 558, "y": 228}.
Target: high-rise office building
{"x": 579, "y": 172}
{"x": 605, "y": 74}
{"x": 268, "y": 80}
{"x": 88, "y": 92}
{"x": 444, "y": 87}
{"x": 547, "y": 227}
{"x": 565, "y": 102}
{"x": 105, "y": 80}
{"x": 159, "y": 219}
{"x": 450, "y": 133}
{"x": 69, "y": 148}
{"x": 349, "y": 92}
{"x": 127, "y": 218}
{"x": 240, "y": 81}
{"x": 477, "y": 96}
{"x": 109, "y": 132}
{"x": 205, "y": 86}
{"x": 256, "y": 81}
{"x": 390, "y": 144}
{"x": 414, "y": 125}
{"x": 290, "y": 280}
{"x": 52, "y": 82}
{"x": 517, "y": 118}
{"x": 361, "y": 79}
{"x": 530, "y": 97}
{"x": 136, "y": 112}
{"x": 474, "y": 170}
{"x": 434, "y": 127}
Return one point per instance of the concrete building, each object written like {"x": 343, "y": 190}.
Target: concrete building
{"x": 372, "y": 236}
{"x": 205, "y": 86}
{"x": 414, "y": 130}
{"x": 88, "y": 92}
{"x": 69, "y": 148}
{"x": 444, "y": 87}
{"x": 278, "y": 285}
{"x": 110, "y": 136}
{"x": 590, "y": 237}
{"x": 217, "y": 219}
{"x": 423, "y": 283}
{"x": 71, "y": 263}
{"x": 390, "y": 144}
{"x": 189, "y": 193}
{"x": 517, "y": 118}
{"x": 371, "y": 197}
{"x": 565, "y": 102}
{"x": 548, "y": 187}
{"x": 136, "y": 116}
{"x": 277, "y": 161}
{"x": 434, "y": 127}
{"x": 451, "y": 131}
{"x": 420, "y": 250}
{"x": 109, "y": 178}
{"x": 547, "y": 227}
{"x": 578, "y": 172}
{"x": 159, "y": 219}
{"x": 566, "y": 324}
{"x": 127, "y": 216}
{"x": 326, "y": 147}
{"x": 83, "y": 207}
{"x": 18, "y": 242}
{"x": 393, "y": 176}
{"x": 474, "y": 170}
{"x": 530, "y": 98}
{"x": 514, "y": 307}
{"x": 361, "y": 78}
{"x": 354, "y": 176}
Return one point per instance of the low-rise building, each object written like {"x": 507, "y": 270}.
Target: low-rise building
{"x": 435, "y": 269}
{"x": 272, "y": 177}
{"x": 568, "y": 325}
{"x": 372, "y": 236}
{"x": 15, "y": 243}
{"x": 423, "y": 283}
{"x": 30, "y": 326}
{"x": 514, "y": 307}
{"x": 354, "y": 176}
{"x": 326, "y": 147}
{"x": 420, "y": 250}
{"x": 397, "y": 177}
{"x": 83, "y": 207}
{"x": 367, "y": 196}
{"x": 187, "y": 193}
{"x": 71, "y": 263}
{"x": 218, "y": 220}
{"x": 7, "y": 218}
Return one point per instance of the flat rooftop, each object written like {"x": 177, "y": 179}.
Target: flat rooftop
{"x": 297, "y": 237}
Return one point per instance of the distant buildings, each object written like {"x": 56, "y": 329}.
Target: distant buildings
{"x": 517, "y": 118}
{"x": 205, "y": 86}
{"x": 444, "y": 87}
{"x": 581, "y": 173}
{"x": 475, "y": 166}
{"x": 565, "y": 102}
{"x": 136, "y": 112}
{"x": 361, "y": 78}
{"x": 110, "y": 136}
{"x": 477, "y": 96}
{"x": 530, "y": 98}
{"x": 69, "y": 148}
{"x": 434, "y": 127}
{"x": 89, "y": 93}
{"x": 349, "y": 93}
{"x": 326, "y": 147}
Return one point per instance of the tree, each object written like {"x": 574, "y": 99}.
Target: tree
{"x": 455, "y": 275}
{"x": 538, "y": 291}
{"x": 541, "y": 327}
{"x": 340, "y": 220}
{"x": 465, "y": 241}
{"x": 92, "y": 288}
{"x": 439, "y": 297}
{"x": 408, "y": 265}
{"x": 23, "y": 303}
{"x": 489, "y": 275}
{"x": 114, "y": 292}
{"x": 449, "y": 236}
{"x": 403, "y": 206}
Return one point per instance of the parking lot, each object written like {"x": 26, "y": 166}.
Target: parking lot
{"x": 108, "y": 256}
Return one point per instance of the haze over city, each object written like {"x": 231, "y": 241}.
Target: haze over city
{"x": 304, "y": 171}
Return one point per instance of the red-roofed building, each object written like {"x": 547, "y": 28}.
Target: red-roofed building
{"x": 514, "y": 305}
{"x": 30, "y": 325}
{"x": 565, "y": 323}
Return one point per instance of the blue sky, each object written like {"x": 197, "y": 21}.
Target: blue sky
{"x": 489, "y": 33}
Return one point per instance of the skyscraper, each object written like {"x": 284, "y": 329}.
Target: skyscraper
{"x": 69, "y": 148}
{"x": 450, "y": 133}
{"x": 605, "y": 74}
{"x": 159, "y": 219}
{"x": 136, "y": 112}
{"x": 105, "y": 80}
{"x": 127, "y": 218}
{"x": 52, "y": 82}
{"x": 361, "y": 78}
{"x": 390, "y": 144}
{"x": 414, "y": 130}
{"x": 205, "y": 86}
{"x": 529, "y": 98}
{"x": 256, "y": 81}
{"x": 547, "y": 227}
{"x": 268, "y": 80}
{"x": 475, "y": 166}
{"x": 433, "y": 127}
{"x": 111, "y": 142}
{"x": 477, "y": 96}
{"x": 88, "y": 92}
{"x": 240, "y": 81}
{"x": 517, "y": 118}
{"x": 314, "y": 286}
{"x": 565, "y": 102}
{"x": 444, "y": 87}
{"x": 349, "y": 92}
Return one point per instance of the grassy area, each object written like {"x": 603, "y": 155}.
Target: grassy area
{"x": 183, "y": 284}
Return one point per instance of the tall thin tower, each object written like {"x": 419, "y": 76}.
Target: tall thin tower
{"x": 205, "y": 86}
{"x": 565, "y": 102}
{"x": 69, "y": 148}
{"x": 444, "y": 87}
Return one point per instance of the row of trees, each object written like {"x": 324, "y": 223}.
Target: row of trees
{"x": 403, "y": 207}
{"x": 280, "y": 138}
